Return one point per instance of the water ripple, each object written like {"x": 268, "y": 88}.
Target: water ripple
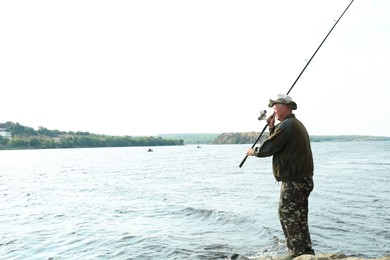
{"x": 184, "y": 203}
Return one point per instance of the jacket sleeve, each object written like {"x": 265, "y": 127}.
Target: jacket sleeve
{"x": 276, "y": 141}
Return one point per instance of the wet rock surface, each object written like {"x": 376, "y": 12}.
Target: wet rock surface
{"x": 320, "y": 256}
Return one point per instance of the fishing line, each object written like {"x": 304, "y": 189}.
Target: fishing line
{"x": 300, "y": 74}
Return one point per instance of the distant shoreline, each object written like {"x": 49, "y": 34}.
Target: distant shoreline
{"x": 250, "y": 137}
{"x": 14, "y": 136}
{"x": 347, "y": 138}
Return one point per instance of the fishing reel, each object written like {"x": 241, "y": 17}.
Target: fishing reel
{"x": 262, "y": 115}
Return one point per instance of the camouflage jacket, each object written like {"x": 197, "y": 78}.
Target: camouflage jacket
{"x": 289, "y": 144}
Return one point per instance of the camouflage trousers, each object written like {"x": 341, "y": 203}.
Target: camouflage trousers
{"x": 293, "y": 215}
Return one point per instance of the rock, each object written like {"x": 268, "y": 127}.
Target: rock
{"x": 334, "y": 256}
{"x": 323, "y": 257}
{"x": 239, "y": 138}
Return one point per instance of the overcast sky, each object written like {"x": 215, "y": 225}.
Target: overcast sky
{"x": 204, "y": 66}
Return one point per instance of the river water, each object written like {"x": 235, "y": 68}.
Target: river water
{"x": 185, "y": 202}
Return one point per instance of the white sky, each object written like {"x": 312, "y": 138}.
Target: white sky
{"x": 153, "y": 67}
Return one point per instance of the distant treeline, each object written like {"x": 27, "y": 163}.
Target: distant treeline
{"x": 198, "y": 138}
{"x": 24, "y": 137}
{"x": 347, "y": 138}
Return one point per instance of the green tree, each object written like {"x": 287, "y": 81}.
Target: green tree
{"x": 18, "y": 142}
{"x": 35, "y": 142}
{"x": 3, "y": 141}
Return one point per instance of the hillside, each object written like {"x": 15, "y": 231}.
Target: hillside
{"x": 239, "y": 138}
{"x": 24, "y": 137}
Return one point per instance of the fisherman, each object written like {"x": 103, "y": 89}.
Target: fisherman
{"x": 292, "y": 162}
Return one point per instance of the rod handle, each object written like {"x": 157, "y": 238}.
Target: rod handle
{"x": 243, "y": 161}
{"x": 254, "y": 144}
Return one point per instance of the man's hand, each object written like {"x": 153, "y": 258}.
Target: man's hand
{"x": 271, "y": 121}
{"x": 250, "y": 152}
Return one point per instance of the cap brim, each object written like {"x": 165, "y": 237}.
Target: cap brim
{"x": 292, "y": 104}
{"x": 271, "y": 103}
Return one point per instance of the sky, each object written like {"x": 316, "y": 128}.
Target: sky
{"x": 207, "y": 66}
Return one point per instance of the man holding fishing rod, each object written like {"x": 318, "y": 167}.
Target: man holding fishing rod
{"x": 292, "y": 162}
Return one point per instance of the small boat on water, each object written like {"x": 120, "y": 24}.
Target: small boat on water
{"x": 150, "y": 150}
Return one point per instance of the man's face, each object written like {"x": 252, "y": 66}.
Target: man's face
{"x": 280, "y": 111}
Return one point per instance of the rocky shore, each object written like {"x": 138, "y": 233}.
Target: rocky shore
{"x": 311, "y": 257}
{"x": 334, "y": 257}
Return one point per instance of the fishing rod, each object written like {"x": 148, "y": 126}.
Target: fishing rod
{"x": 300, "y": 74}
